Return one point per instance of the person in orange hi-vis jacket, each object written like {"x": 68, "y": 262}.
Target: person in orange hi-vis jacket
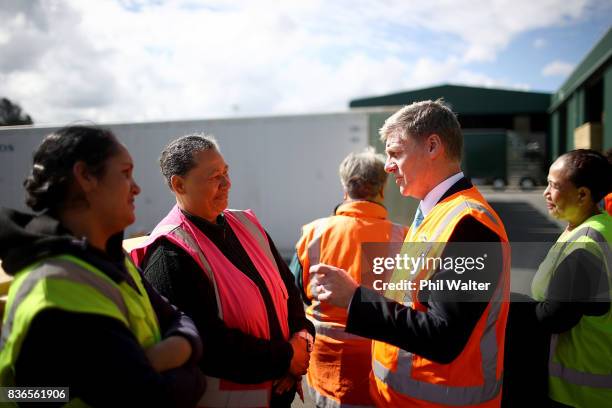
{"x": 340, "y": 362}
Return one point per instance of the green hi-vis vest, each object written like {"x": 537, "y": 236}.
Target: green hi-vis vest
{"x": 580, "y": 364}
{"x": 68, "y": 283}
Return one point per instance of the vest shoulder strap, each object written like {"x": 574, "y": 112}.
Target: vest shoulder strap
{"x": 68, "y": 268}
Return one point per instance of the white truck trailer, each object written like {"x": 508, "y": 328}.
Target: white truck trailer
{"x": 285, "y": 168}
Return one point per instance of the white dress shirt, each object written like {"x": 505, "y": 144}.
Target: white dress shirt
{"x": 432, "y": 198}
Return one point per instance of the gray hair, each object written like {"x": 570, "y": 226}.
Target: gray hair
{"x": 421, "y": 119}
{"x": 363, "y": 174}
{"x": 179, "y": 156}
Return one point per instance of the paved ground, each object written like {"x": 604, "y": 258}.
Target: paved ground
{"x": 530, "y": 229}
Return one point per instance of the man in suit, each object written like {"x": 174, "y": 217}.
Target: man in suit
{"x": 436, "y": 345}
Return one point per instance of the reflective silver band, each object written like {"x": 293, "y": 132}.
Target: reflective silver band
{"x": 436, "y": 393}
{"x": 61, "y": 269}
{"x": 573, "y": 376}
{"x": 256, "y": 233}
{"x": 464, "y": 205}
{"x": 335, "y": 331}
{"x": 185, "y": 237}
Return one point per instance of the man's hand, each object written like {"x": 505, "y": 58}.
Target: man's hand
{"x": 301, "y": 356}
{"x": 169, "y": 353}
{"x": 331, "y": 284}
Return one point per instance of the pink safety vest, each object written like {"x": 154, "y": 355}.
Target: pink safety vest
{"x": 239, "y": 301}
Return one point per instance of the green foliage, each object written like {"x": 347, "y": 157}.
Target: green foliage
{"x": 11, "y": 114}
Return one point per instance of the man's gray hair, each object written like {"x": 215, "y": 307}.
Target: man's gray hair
{"x": 179, "y": 156}
{"x": 363, "y": 174}
{"x": 421, "y": 119}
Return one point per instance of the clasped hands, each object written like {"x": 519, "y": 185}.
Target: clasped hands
{"x": 297, "y": 368}
{"x": 327, "y": 283}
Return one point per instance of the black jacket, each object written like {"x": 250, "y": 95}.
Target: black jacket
{"x": 97, "y": 357}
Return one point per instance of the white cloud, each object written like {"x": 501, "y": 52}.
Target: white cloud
{"x": 142, "y": 60}
{"x": 558, "y": 68}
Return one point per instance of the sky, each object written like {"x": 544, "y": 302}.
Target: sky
{"x": 145, "y": 60}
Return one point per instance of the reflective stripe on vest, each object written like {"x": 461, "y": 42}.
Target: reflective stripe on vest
{"x": 334, "y": 330}
{"x": 401, "y": 380}
{"x": 57, "y": 268}
{"x": 322, "y": 401}
{"x": 574, "y": 376}
{"x": 259, "y": 236}
{"x": 464, "y": 205}
{"x": 314, "y": 257}
{"x": 186, "y": 237}
{"x": 596, "y": 236}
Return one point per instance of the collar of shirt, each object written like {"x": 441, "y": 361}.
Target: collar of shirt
{"x": 361, "y": 209}
{"x": 432, "y": 198}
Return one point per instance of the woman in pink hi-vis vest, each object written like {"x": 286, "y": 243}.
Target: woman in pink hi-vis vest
{"x": 221, "y": 268}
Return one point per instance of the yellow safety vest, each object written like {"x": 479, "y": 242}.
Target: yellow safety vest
{"x": 580, "y": 363}
{"x": 68, "y": 283}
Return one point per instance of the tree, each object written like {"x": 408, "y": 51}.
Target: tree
{"x": 11, "y": 114}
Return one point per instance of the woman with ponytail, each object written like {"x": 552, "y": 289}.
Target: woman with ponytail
{"x": 79, "y": 314}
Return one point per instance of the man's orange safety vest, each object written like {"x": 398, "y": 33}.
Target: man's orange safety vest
{"x": 474, "y": 378}
{"x": 340, "y": 362}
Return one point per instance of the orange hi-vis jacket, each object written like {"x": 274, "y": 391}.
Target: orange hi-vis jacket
{"x": 474, "y": 378}
{"x": 340, "y": 362}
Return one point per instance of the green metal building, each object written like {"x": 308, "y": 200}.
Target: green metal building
{"x": 581, "y": 110}
{"x": 498, "y": 126}
{"x": 506, "y": 133}
{"x": 477, "y": 108}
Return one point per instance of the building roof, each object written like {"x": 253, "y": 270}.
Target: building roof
{"x": 597, "y": 57}
{"x": 466, "y": 99}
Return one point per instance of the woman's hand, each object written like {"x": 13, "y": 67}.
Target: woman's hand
{"x": 169, "y": 353}
{"x": 301, "y": 356}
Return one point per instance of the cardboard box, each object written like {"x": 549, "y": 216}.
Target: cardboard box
{"x": 589, "y": 136}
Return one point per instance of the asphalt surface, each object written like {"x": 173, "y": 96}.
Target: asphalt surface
{"x": 530, "y": 229}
